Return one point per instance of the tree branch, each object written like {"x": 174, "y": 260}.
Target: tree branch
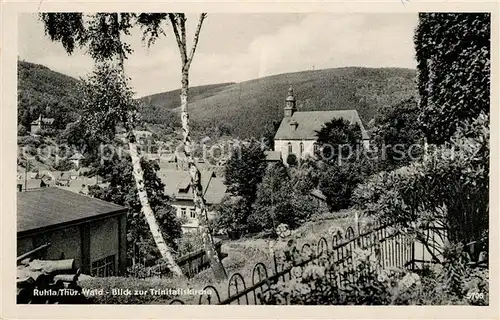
{"x": 180, "y": 44}
{"x": 195, "y": 39}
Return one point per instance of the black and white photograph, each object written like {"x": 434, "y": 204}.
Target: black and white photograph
{"x": 218, "y": 158}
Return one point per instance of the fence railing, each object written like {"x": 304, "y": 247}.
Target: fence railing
{"x": 393, "y": 249}
{"x": 191, "y": 264}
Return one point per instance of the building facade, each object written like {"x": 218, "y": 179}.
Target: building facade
{"x": 178, "y": 188}
{"x": 297, "y": 133}
{"x": 40, "y": 123}
{"x": 88, "y": 230}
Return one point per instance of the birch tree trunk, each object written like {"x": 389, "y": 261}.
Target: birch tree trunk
{"x": 179, "y": 26}
{"x": 162, "y": 246}
{"x": 138, "y": 174}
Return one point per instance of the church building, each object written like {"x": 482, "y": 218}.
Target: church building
{"x": 297, "y": 131}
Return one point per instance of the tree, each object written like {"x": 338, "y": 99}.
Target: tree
{"x": 111, "y": 98}
{"x": 398, "y": 135}
{"x": 291, "y": 160}
{"x": 244, "y": 170}
{"x": 338, "y": 139}
{"x": 278, "y": 202}
{"x": 178, "y": 23}
{"x": 453, "y": 56}
{"x": 121, "y": 189}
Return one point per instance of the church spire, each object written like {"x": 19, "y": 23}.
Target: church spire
{"x": 290, "y": 107}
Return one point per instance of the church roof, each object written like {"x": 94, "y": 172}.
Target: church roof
{"x": 302, "y": 125}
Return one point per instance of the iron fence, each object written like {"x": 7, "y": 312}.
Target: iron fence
{"x": 393, "y": 249}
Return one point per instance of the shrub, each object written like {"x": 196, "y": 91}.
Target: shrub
{"x": 447, "y": 188}
{"x": 363, "y": 282}
{"x": 291, "y": 160}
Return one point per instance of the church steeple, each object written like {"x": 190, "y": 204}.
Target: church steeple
{"x": 290, "y": 107}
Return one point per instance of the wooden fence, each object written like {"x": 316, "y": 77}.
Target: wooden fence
{"x": 191, "y": 264}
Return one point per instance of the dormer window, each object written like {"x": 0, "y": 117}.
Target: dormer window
{"x": 294, "y": 124}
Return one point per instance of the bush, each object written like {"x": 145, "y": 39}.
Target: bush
{"x": 449, "y": 188}
{"x": 365, "y": 283}
{"x": 21, "y": 130}
{"x": 291, "y": 160}
{"x": 279, "y": 202}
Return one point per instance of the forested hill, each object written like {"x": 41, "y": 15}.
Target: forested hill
{"x": 248, "y": 108}
{"x": 41, "y": 90}
{"x": 243, "y": 110}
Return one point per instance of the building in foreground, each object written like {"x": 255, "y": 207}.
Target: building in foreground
{"x": 178, "y": 188}
{"x": 89, "y": 230}
{"x": 297, "y": 131}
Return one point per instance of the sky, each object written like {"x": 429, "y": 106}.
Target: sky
{"x": 244, "y": 46}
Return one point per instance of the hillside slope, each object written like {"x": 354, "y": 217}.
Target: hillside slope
{"x": 170, "y": 99}
{"x": 247, "y": 109}
{"x": 41, "y": 90}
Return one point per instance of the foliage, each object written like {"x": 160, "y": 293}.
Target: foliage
{"x": 305, "y": 177}
{"x": 338, "y": 138}
{"x": 21, "y": 130}
{"x": 398, "y": 136}
{"x": 291, "y": 160}
{"x": 453, "y": 56}
{"x": 244, "y": 170}
{"x": 337, "y": 181}
{"x": 447, "y": 188}
{"x": 187, "y": 243}
{"x": 121, "y": 189}
{"x": 232, "y": 215}
{"x": 46, "y": 92}
{"x": 278, "y": 202}
{"x": 323, "y": 281}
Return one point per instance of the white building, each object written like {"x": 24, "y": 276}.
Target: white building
{"x": 178, "y": 188}
{"x": 297, "y": 133}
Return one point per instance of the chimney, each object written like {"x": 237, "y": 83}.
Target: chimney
{"x": 290, "y": 106}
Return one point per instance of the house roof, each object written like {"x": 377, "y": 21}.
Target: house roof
{"x": 77, "y": 156}
{"x": 52, "y": 207}
{"x": 272, "y": 155}
{"x": 44, "y": 120}
{"x": 308, "y": 122}
{"x": 177, "y": 185}
{"x": 318, "y": 194}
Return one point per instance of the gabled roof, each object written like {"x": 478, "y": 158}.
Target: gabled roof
{"x": 77, "y": 156}
{"x": 308, "y": 122}
{"x": 177, "y": 185}
{"x": 52, "y": 207}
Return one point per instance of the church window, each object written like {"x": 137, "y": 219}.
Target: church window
{"x": 290, "y": 150}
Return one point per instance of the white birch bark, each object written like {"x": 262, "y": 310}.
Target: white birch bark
{"x": 138, "y": 174}
{"x": 179, "y": 27}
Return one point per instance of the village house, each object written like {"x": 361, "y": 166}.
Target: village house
{"x": 297, "y": 131}
{"x": 40, "y": 124}
{"x": 88, "y": 230}
{"x": 30, "y": 184}
{"x": 76, "y": 159}
{"x": 178, "y": 187}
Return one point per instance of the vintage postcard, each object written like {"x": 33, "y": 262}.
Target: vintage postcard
{"x": 173, "y": 157}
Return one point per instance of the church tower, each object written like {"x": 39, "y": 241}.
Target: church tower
{"x": 290, "y": 106}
